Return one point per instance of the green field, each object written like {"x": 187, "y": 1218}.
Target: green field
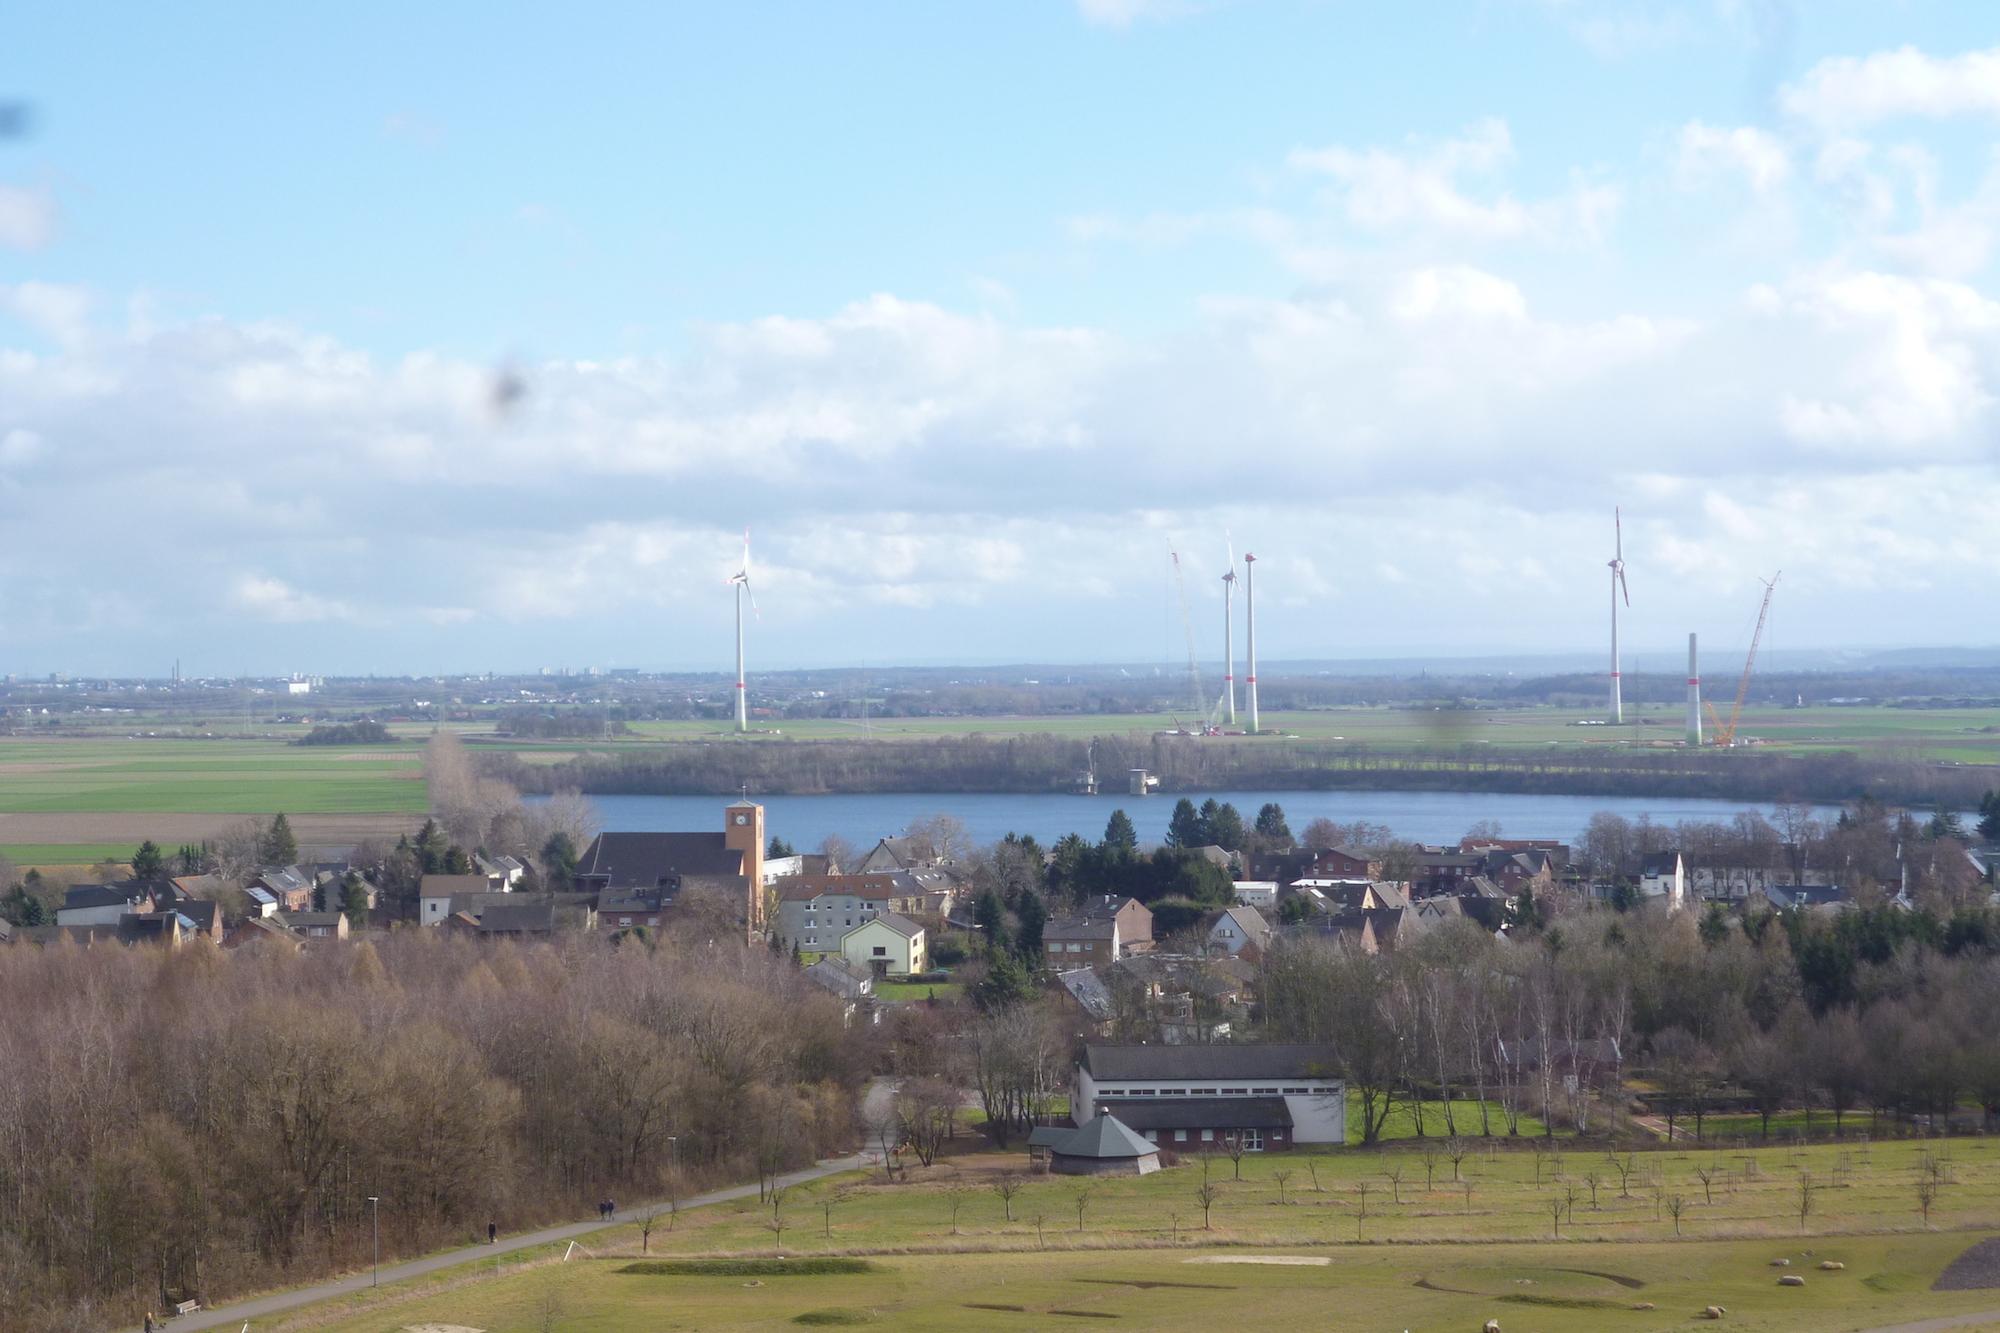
{"x": 66, "y": 853}
{"x": 193, "y": 776}
{"x": 1426, "y": 1257}
{"x": 1967, "y": 735}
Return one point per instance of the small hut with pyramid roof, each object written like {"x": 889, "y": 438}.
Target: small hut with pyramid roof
{"x": 1105, "y": 1146}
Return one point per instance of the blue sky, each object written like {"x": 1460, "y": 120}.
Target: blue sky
{"x": 971, "y": 312}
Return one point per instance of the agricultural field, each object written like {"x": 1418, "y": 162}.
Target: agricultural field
{"x": 1568, "y": 1240}
{"x": 1959, "y": 735}
{"x": 75, "y": 800}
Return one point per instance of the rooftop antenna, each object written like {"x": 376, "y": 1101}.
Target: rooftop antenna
{"x": 1617, "y": 587}
{"x": 741, "y": 578}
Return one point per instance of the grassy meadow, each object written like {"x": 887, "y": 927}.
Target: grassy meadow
{"x": 1384, "y": 1247}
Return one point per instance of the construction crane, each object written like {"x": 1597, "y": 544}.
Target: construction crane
{"x": 1725, "y": 732}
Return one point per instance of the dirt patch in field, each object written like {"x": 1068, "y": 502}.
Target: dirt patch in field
{"x": 1279, "y": 1260}
{"x": 1977, "y": 1269}
{"x": 172, "y": 829}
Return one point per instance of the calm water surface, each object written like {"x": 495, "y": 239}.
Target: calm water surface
{"x": 1419, "y": 816}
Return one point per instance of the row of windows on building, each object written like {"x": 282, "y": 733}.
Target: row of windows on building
{"x": 1253, "y": 1139}
{"x": 1207, "y": 1092}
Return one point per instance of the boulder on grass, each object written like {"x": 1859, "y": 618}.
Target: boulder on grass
{"x": 1791, "y": 1280}
{"x": 1831, "y": 1265}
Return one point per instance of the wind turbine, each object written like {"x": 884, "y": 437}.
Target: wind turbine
{"x": 741, "y": 578}
{"x": 1229, "y": 638}
{"x": 1250, "y": 634}
{"x": 1617, "y": 565}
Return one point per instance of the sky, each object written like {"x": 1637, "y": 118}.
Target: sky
{"x": 391, "y": 338}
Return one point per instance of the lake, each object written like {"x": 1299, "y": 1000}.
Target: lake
{"x": 1433, "y": 817}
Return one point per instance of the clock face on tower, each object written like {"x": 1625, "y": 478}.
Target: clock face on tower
{"x": 742, "y": 819}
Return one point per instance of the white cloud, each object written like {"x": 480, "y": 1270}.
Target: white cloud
{"x": 27, "y": 217}
{"x": 1756, "y": 156}
{"x": 1848, "y": 92}
{"x": 274, "y": 600}
{"x": 1125, "y": 13}
{"x": 1913, "y": 366}
{"x": 1381, "y": 190}
{"x": 60, "y": 313}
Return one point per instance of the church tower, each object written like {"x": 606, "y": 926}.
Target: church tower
{"x": 743, "y": 831}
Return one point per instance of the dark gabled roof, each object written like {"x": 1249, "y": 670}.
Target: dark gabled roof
{"x": 647, "y": 860}
{"x": 895, "y": 921}
{"x": 309, "y": 920}
{"x": 1080, "y": 928}
{"x": 841, "y": 977}
{"x": 1089, "y": 991}
{"x": 511, "y": 918}
{"x": 1202, "y": 1112}
{"x": 101, "y": 895}
{"x": 1105, "y": 1138}
{"x": 1047, "y": 1136}
{"x": 443, "y": 886}
{"x": 1275, "y": 1060}
{"x": 285, "y": 879}
{"x": 205, "y": 915}
{"x": 1659, "y": 863}
{"x": 906, "y": 851}
{"x": 877, "y": 885}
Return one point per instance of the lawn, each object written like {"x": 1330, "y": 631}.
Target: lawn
{"x": 1564, "y": 1289}
{"x": 915, "y": 990}
{"x": 1465, "y": 1119}
{"x": 1556, "y": 1254}
{"x": 46, "y": 854}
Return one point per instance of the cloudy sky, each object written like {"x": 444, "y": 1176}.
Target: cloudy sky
{"x": 970, "y": 313}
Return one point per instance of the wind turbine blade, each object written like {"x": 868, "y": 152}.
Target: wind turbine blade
{"x": 1618, "y": 527}
{"x": 1622, "y": 585}
{"x": 751, "y": 593}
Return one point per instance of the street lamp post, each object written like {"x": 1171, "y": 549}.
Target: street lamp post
{"x": 375, "y": 1208}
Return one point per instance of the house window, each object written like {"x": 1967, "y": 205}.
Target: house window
{"x": 811, "y": 940}
{"x": 1234, "y": 1092}
{"x": 879, "y": 952}
{"x": 1055, "y": 948}
{"x": 1180, "y": 1136}
{"x": 1297, "y": 1092}
{"x": 1264, "y": 1092}
{"x": 1253, "y": 1140}
{"x": 1152, "y": 1136}
{"x": 1208, "y": 1136}
{"x": 624, "y": 920}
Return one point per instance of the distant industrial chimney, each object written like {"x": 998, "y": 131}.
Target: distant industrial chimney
{"x": 1694, "y": 695}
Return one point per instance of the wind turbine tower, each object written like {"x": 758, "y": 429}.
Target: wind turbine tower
{"x": 1694, "y": 696}
{"x": 741, "y": 578}
{"x": 1617, "y": 587}
{"x": 1250, "y": 633}
{"x": 1229, "y": 641}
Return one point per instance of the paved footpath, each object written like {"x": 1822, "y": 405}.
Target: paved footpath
{"x": 235, "y": 1316}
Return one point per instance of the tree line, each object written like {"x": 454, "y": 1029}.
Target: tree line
{"x": 204, "y": 1123}
{"x": 1031, "y": 764}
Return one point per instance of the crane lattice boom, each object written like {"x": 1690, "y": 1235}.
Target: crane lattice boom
{"x": 1726, "y": 732}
